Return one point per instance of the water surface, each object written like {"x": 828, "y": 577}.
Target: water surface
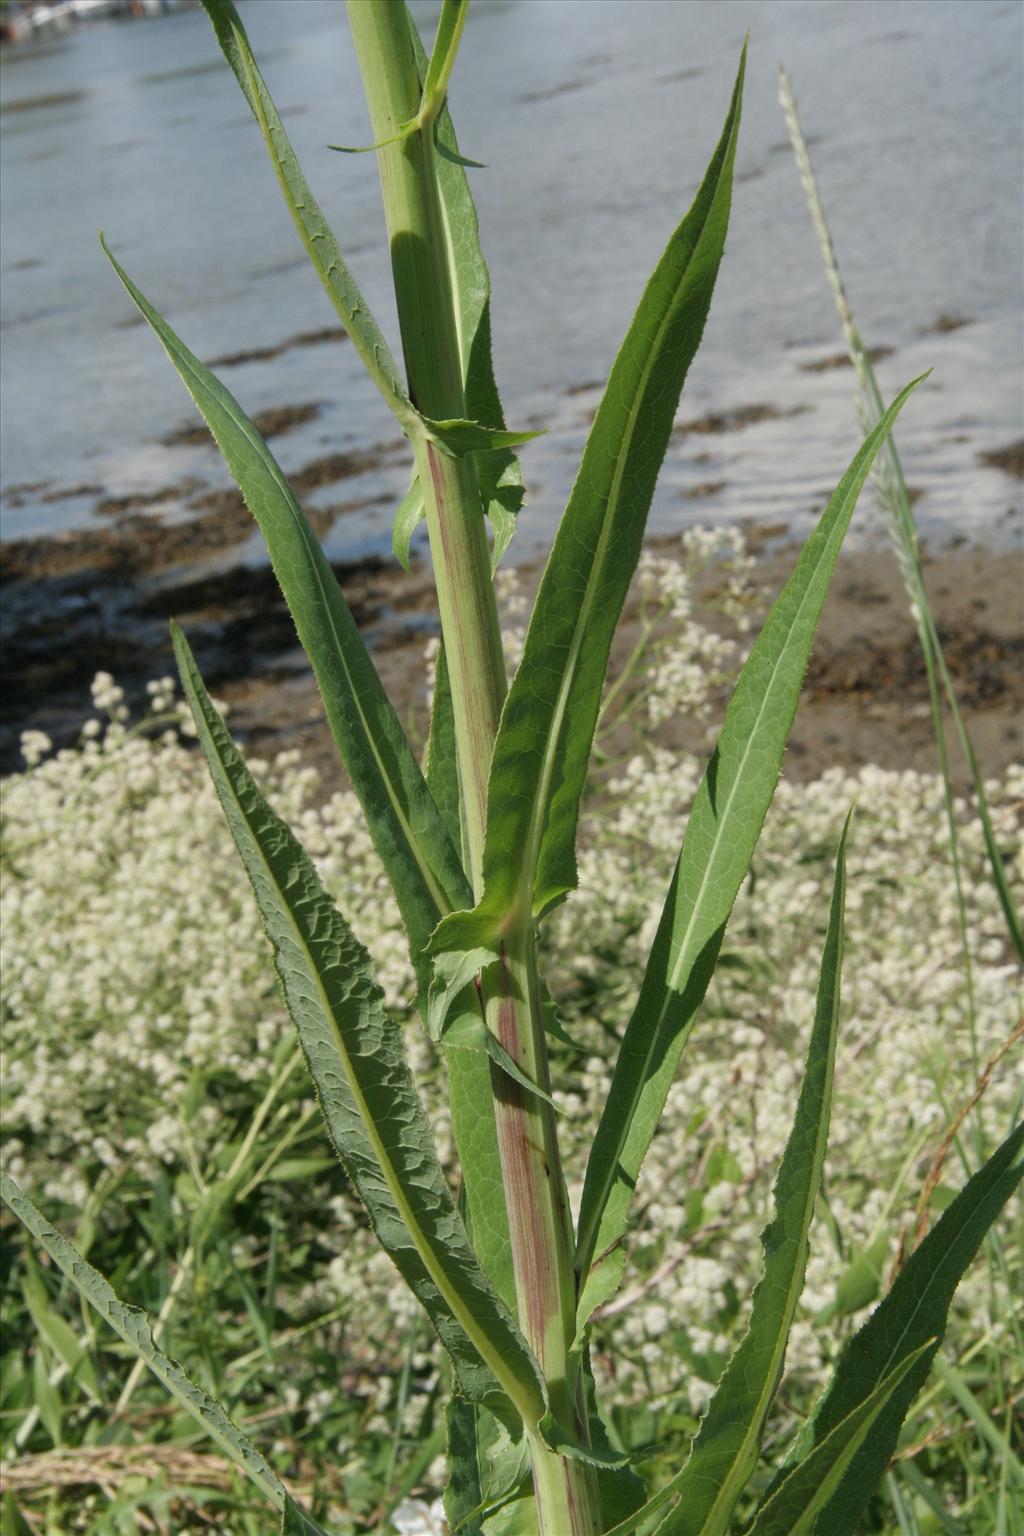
{"x": 596, "y": 121}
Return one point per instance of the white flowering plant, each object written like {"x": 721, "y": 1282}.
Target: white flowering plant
{"x": 479, "y": 849}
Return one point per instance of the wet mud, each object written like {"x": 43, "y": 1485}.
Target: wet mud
{"x": 267, "y": 354}
{"x": 842, "y": 360}
{"x": 99, "y": 598}
{"x": 274, "y": 422}
{"x": 1010, "y": 459}
{"x": 733, "y": 421}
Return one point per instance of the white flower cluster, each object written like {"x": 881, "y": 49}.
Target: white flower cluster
{"x": 686, "y": 661}
{"x": 135, "y": 964}
{"x": 134, "y": 958}
{"x": 913, "y": 1042}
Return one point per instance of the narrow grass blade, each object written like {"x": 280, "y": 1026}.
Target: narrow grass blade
{"x": 903, "y": 524}
{"x": 721, "y": 834}
{"x": 547, "y": 725}
{"x": 910, "y": 1320}
{"x": 321, "y": 246}
{"x": 622, "y": 1491}
{"x": 408, "y": 832}
{"x": 62, "y": 1339}
{"x": 356, "y": 1057}
{"x": 134, "y": 1328}
{"x": 995, "y": 856}
{"x": 942, "y": 1520}
{"x": 796, "y": 1505}
{"x": 724, "y": 1453}
{"x": 12, "y": 1522}
{"x": 954, "y": 1382}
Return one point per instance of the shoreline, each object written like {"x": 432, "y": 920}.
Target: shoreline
{"x": 101, "y": 601}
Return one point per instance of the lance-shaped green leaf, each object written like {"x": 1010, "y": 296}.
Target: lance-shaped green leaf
{"x": 133, "y": 1326}
{"x": 356, "y": 1057}
{"x": 914, "y": 1312}
{"x": 321, "y": 246}
{"x": 547, "y": 725}
{"x": 501, "y": 482}
{"x": 408, "y": 831}
{"x": 442, "y": 58}
{"x": 410, "y": 512}
{"x": 409, "y": 834}
{"x": 721, "y": 833}
{"x": 295, "y": 1521}
{"x": 725, "y": 1450}
{"x": 488, "y": 1466}
{"x": 463, "y": 1494}
{"x": 796, "y": 1505}
{"x": 442, "y": 761}
{"x": 802, "y": 1503}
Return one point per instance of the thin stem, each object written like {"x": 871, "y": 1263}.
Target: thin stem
{"x": 905, "y": 540}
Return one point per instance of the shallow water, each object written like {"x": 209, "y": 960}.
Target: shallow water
{"x": 596, "y": 120}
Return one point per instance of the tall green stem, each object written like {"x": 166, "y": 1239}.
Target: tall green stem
{"x": 539, "y": 1226}
{"x": 426, "y": 316}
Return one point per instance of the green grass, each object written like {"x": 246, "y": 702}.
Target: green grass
{"x": 273, "y": 1291}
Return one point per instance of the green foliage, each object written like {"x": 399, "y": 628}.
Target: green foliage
{"x": 513, "y": 1295}
{"x": 907, "y": 1325}
{"x": 410, "y": 836}
{"x": 547, "y": 726}
{"x": 356, "y": 1058}
{"x": 720, "y": 839}
{"x": 813, "y": 1485}
{"x": 724, "y": 1453}
{"x": 134, "y": 1328}
{"x": 320, "y": 243}
{"x": 897, "y": 502}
